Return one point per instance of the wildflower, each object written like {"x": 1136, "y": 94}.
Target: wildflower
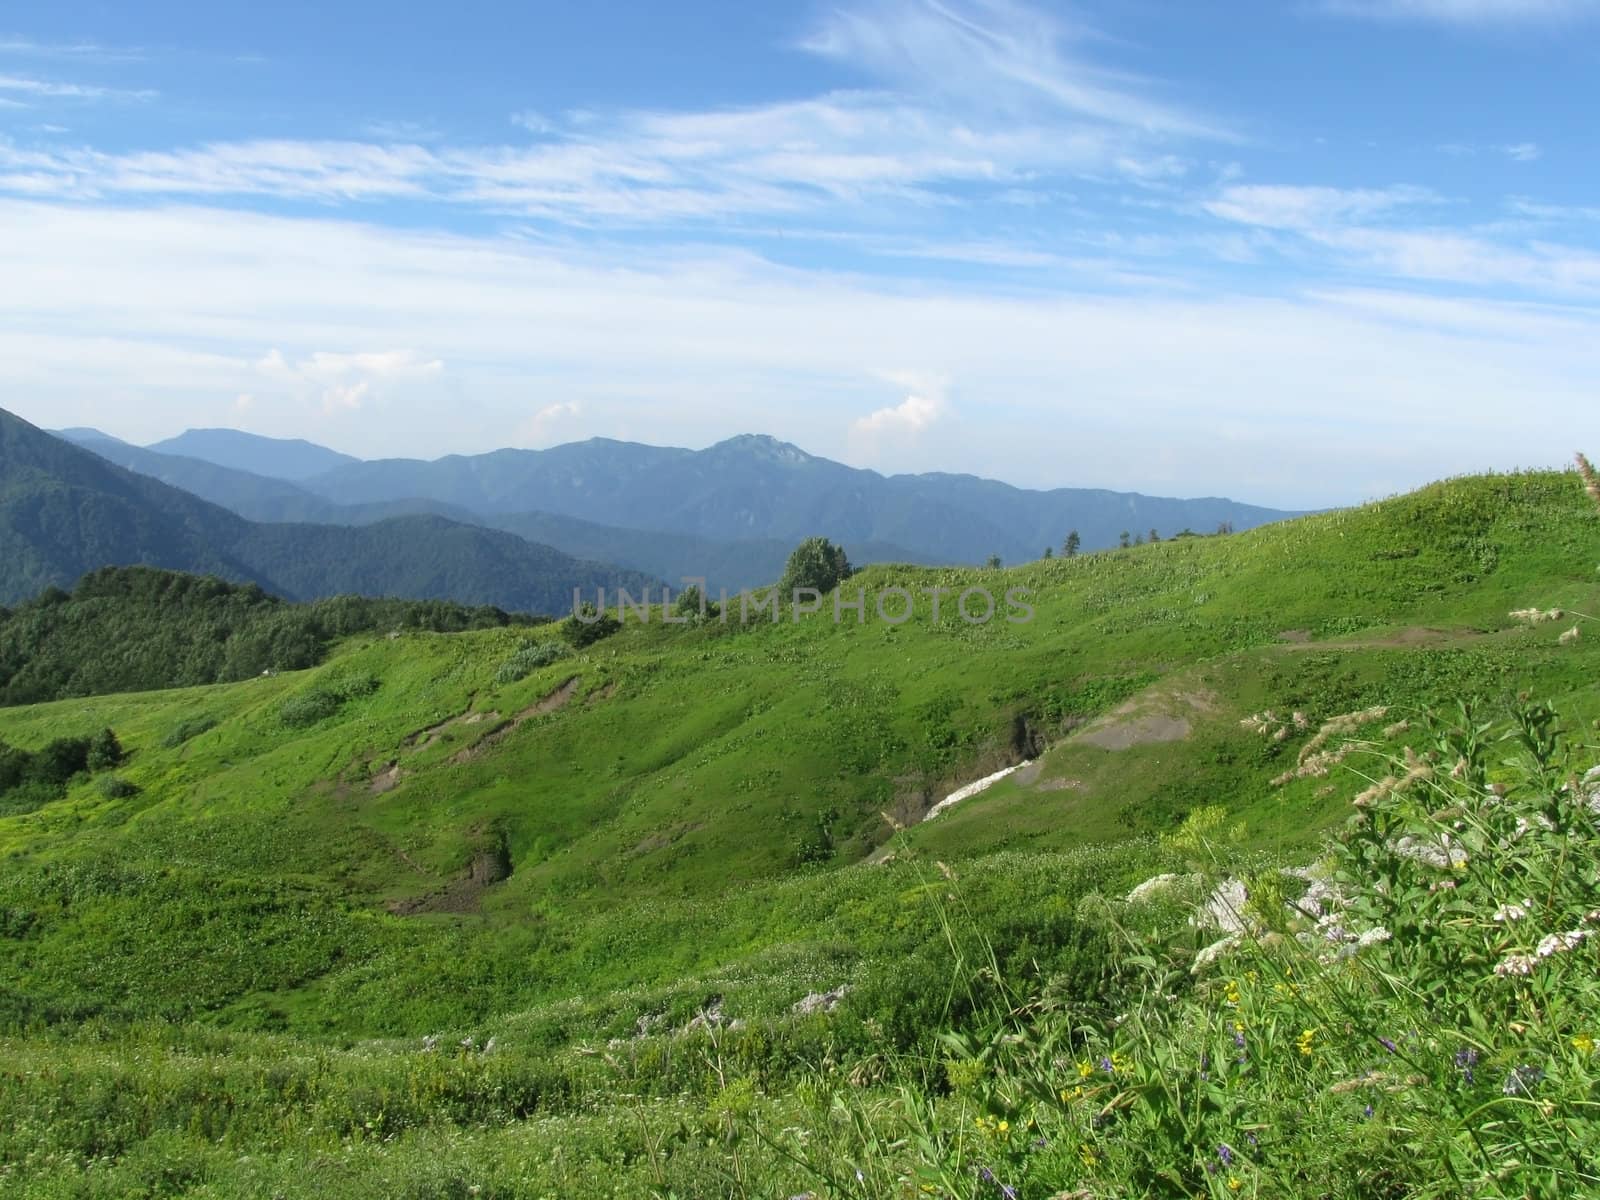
{"x": 1088, "y": 1157}
{"x": 1225, "y": 1153}
{"x": 1522, "y": 1080}
{"x": 1085, "y": 1069}
{"x": 1560, "y": 943}
{"x": 1534, "y": 616}
{"x": 1466, "y": 1059}
{"x": 1231, "y": 996}
{"x": 1367, "y": 1112}
{"x": 1511, "y": 912}
{"x": 1583, "y": 1044}
{"x": 1234, "y": 1183}
{"x": 1389, "y": 1045}
{"x": 1373, "y": 936}
{"x": 1567, "y": 638}
{"x": 1106, "y": 1065}
{"x": 1305, "y": 1043}
{"x": 1515, "y": 964}
{"x": 1004, "y": 1127}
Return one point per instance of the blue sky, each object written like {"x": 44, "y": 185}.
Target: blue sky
{"x": 1300, "y": 253}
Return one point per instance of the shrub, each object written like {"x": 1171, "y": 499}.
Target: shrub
{"x": 307, "y": 708}
{"x": 188, "y": 730}
{"x": 114, "y": 787}
{"x": 105, "y": 751}
{"x": 588, "y": 626}
{"x": 528, "y": 660}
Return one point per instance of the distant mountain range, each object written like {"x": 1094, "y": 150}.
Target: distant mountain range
{"x": 65, "y": 511}
{"x": 730, "y": 512}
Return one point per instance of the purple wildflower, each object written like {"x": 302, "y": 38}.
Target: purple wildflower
{"x": 1389, "y": 1045}
{"x": 1106, "y": 1066}
{"x": 1225, "y": 1153}
{"x": 1466, "y": 1059}
{"x": 1367, "y": 1112}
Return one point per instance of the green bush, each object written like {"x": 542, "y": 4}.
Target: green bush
{"x": 528, "y": 660}
{"x": 105, "y": 751}
{"x": 588, "y": 626}
{"x": 187, "y": 731}
{"x": 114, "y": 787}
{"x": 309, "y": 707}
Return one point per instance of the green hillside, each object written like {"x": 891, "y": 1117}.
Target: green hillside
{"x": 218, "y": 956}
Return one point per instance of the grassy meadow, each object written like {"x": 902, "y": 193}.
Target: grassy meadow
{"x": 453, "y": 914}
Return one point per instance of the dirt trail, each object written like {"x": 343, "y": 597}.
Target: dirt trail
{"x": 1399, "y": 639}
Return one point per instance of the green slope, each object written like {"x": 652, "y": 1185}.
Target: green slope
{"x": 675, "y": 763}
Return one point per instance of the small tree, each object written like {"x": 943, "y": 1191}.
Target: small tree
{"x": 816, "y": 563}
{"x": 1224, "y": 527}
{"x": 1070, "y": 547}
{"x": 1049, "y": 551}
{"x": 690, "y": 602}
{"x": 993, "y": 562}
{"x": 105, "y": 751}
{"x": 1124, "y": 539}
{"x": 1154, "y": 536}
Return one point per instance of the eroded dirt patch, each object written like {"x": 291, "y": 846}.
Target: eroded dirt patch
{"x": 386, "y": 780}
{"x": 555, "y": 700}
{"x": 1150, "y": 718}
{"x": 1138, "y": 731}
{"x": 489, "y": 865}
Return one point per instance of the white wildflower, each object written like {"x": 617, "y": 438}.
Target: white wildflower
{"x": 1515, "y": 964}
{"x": 1373, "y": 936}
{"x": 1567, "y": 638}
{"x": 1560, "y": 943}
{"x": 1512, "y": 912}
{"x": 1158, "y": 886}
{"x": 1442, "y": 852}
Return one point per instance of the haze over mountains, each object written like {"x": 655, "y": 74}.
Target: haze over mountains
{"x": 730, "y": 512}
{"x": 65, "y": 511}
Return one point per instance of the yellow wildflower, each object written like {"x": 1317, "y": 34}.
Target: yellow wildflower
{"x": 1583, "y": 1044}
{"x": 1088, "y": 1157}
{"x": 1234, "y": 1183}
{"x": 1305, "y": 1042}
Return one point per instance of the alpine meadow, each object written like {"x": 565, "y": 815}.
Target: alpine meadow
{"x": 838, "y": 600}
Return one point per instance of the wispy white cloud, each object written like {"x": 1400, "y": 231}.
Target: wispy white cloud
{"x": 995, "y": 52}
{"x": 1464, "y": 12}
{"x": 981, "y": 98}
{"x": 56, "y": 90}
{"x": 83, "y": 51}
{"x": 1364, "y": 227}
{"x": 1277, "y": 206}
